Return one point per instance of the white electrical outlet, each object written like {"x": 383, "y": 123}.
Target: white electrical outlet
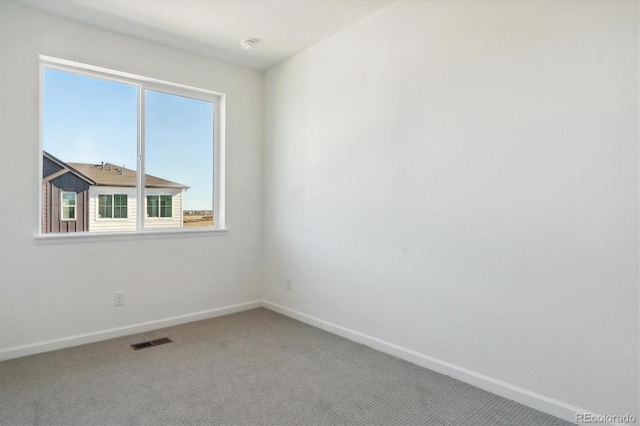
{"x": 289, "y": 283}
{"x": 118, "y": 298}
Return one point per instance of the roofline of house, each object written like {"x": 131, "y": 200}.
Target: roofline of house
{"x": 68, "y": 167}
{"x": 120, "y": 185}
{"x": 94, "y": 183}
{"x": 185, "y": 187}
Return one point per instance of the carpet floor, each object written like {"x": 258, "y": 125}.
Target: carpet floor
{"x": 252, "y": 368}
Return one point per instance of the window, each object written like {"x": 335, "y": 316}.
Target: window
{"x": 159, "y": 206}
{"x": 112, "y": 206}
{"x": 165, "y": 206}
{"x": 105, "y": 206}
{"x": 68, "y": 204}
{"x": 138, "y": 149}
{"x": 120, "y": 206}
{"x": 153, "y": 206}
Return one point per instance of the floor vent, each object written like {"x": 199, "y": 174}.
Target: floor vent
{"x": 151, "y": 343}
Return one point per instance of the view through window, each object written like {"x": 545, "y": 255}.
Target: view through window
{"x": 98, "y": 135}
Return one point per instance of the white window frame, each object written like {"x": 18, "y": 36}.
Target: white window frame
{"x": 143, "y": 83}
{"x": 62, "y": 206}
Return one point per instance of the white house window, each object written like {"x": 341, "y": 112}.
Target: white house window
{"x": 136, "y": 148}
{"x": 159, "y": 206}
{"x": 119, "y": 206}
{"x": 105, "y": 206}
{"x": 68, "y": 205}
{"x": 112, "y": 206}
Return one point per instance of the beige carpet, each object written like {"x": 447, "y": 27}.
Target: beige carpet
{"x": 252, "y": 368}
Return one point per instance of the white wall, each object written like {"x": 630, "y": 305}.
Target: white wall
{"x": 461, "y": 179}
{"x": 52, "y": 291}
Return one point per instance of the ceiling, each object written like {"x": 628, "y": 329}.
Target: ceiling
{"x": 215, "y": 28}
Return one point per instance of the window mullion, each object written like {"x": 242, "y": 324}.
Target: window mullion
{"x": 141, "y": 173}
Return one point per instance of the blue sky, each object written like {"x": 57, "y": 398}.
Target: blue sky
{"x": 90, "y": 120}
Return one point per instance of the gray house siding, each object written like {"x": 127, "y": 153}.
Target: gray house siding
{"x": 49, "y": 167}
{"x": 67, "y": 183}
{"x": 51, "y": 190}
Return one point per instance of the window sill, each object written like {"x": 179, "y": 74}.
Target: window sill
{"x": 77, "y": 237}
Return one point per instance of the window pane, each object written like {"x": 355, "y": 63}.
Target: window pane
{"x": 152, "y": 206}
{"x": 165, "y": 206}
{"x": 89, "y": 130}
{"x": 120, "y": 206}
{"x": 68, "y": 199}
{"x": 105, "y": 206}
{"x": 68, "y": 213}
{"x": 119, "y": 200}
{"x": 179, "y": 158}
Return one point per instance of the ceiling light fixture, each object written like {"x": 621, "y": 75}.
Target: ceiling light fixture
{"x": 248, "y": 43}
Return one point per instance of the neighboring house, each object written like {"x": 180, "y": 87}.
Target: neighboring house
{"x": 79, "y": 197}
{"x": 62, "y": 186}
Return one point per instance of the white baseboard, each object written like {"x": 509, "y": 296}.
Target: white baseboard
{"x": 531, "y": 399}
{"x": 81, "y": 339}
